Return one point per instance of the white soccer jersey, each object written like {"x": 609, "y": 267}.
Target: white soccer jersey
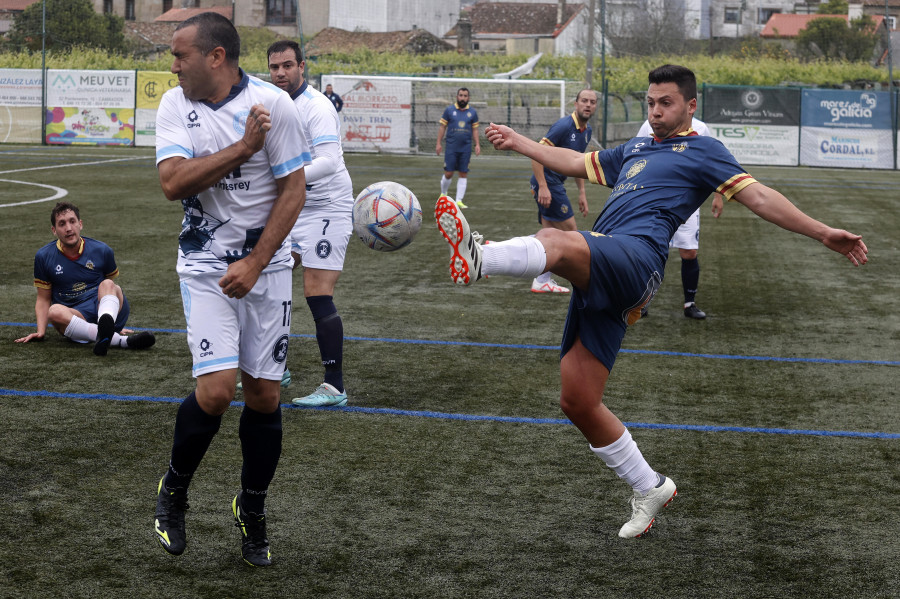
{"x": 322, "y": 125}
{"x": 223, "y": 223}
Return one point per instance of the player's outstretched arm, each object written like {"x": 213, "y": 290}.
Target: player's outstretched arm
{"x": 775, "y": 208}
{"x": 183, "y": 177}
{"x": 42, "y": 313}
{"x": 562, "y": 160}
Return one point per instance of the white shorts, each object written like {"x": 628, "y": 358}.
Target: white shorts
{"x": 687, "y": 237}
{"x": 321, "y": 234}
{"x": 250, "y": 333}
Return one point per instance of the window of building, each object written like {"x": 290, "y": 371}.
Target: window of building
{"x": 732, "y": 15}
{"x": 107, "y": 7}
{"x": 892, "y": 22}
{"x": 167, "y": 5}
{"x": 476, "y": 46}
{"x": 129, "y": 10}
{"x": 281, "y": 12}
{"x": 766, "y": 13}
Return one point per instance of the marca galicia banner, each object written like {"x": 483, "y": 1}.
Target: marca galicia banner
{"x": 377, "y": 112}
{"x": 846, "y": 129}
{"x": 758, "y": 125}
{"x": 90, "y": 107}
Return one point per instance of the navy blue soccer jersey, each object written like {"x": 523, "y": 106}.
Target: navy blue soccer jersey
{"x": 461, "y": 123}
{"x": 658, "y": 184}
{"x": 72, "y": 282}
{"x": 564, "y": 133}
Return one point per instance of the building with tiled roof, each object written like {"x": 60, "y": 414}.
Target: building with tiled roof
{"x": 8, "y": 11}
{"x": 523, "y": 28}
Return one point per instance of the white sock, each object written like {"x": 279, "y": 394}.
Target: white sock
{"x": 445, "y": 184}
{"x": 544, "y": 278}
{"x": 80, "y": 330}
{"x": 624, "y": 457}
{"x": 516, "y": 257}
{"x": 109, "y": 304}
{"x": 461, "y": 184}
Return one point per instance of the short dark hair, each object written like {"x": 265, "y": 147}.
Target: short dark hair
{"x": 60, "y": 208}
{"x": 462, "y": 89}
{"x": 683, "y": 77}
{"x": 214, "y": 31}
{"x": 284, "y": 46}
{"x": 586, "y": 89}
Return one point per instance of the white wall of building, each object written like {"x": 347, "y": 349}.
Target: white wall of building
{"x": 435, "y": 16}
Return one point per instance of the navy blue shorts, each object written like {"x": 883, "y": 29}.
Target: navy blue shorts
{"x": 626, "y": 272}
{"x": 457, "y": 161}
{"x": 560, "y": 207}
{"x": 88, "y": 309}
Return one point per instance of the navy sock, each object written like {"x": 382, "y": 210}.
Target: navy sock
{"x": 330, "y": 336}
{"x": 194, "y": 431}
{"x": 690, "y": 278}
{"x": 261, "y": 447}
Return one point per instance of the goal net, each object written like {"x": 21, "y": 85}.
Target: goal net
{"x": 402, "y": 114}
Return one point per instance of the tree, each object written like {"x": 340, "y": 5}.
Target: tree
{"x": 648, "y": 27}
{"x": 832, "y": 38}
{"x": 834, "y": 7}
{"x": 69, "y": 23}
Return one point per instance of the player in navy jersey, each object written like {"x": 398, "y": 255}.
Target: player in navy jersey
{"x": 320, "y": 236}
{"x": 548, "y": 187}
{"x": 617, "y": 267}
{"x": 231, "y": 150}
{"x": 336, "y": 100}
{"x": 76, "y": 292}
{"x": 460, "y": 122}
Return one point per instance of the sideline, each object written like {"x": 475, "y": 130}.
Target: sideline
{"x": 474, "y": 417}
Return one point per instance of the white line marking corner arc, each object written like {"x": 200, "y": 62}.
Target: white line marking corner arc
{"x": 59, "y": 193}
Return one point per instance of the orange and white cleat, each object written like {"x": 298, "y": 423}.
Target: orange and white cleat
{"x": 550, "y": 286}
{"x": 465, "y": 251}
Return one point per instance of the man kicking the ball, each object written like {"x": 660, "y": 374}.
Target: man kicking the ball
{"x": 617, "y": 267}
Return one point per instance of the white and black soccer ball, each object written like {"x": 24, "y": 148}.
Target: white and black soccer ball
{"x": 386, "y": 216}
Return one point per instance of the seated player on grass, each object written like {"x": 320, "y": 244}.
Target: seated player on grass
{"x": 75, "y": 289}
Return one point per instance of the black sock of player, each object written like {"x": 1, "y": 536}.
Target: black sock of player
{"x": 261, "y": 447}
{"x": 330, "y": 336}
{"x": 690, "y": 278}
{"x": 194, "y": 431}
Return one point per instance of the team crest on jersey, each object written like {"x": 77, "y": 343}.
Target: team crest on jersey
{"x": 564, "y": 209}
{"x": 323, "y": 248}
{"x": 636, "y": 168}
{"x": 680, "y": 147}
{"x": 279, "y": 352}
{"x": 89, "y": 265}
{"x": 240, "y": 121}
{"x": 462, "y": 124}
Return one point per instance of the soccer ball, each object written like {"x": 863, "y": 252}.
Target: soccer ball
{"x": 386, "y": 216}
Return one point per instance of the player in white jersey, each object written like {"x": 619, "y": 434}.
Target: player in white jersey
{"x": 229, "y": 147}
{"x": 320, "y": 235}
{"x": 687, "y": 238}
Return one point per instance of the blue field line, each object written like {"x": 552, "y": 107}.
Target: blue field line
{"x": 647, "y": 352}
{"x": 473, "y": 417}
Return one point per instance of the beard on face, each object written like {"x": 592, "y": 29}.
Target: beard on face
{"x": 462, "y": 103}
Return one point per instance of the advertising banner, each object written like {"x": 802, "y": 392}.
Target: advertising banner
{"x": 850, "y": 129}
{"x": 151, "y": 85}
{"x": 20, "y": 106}
{"x": 90, "y": 107}
{"x": 758, "y": 125}
{"x": 376, "y": 113}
